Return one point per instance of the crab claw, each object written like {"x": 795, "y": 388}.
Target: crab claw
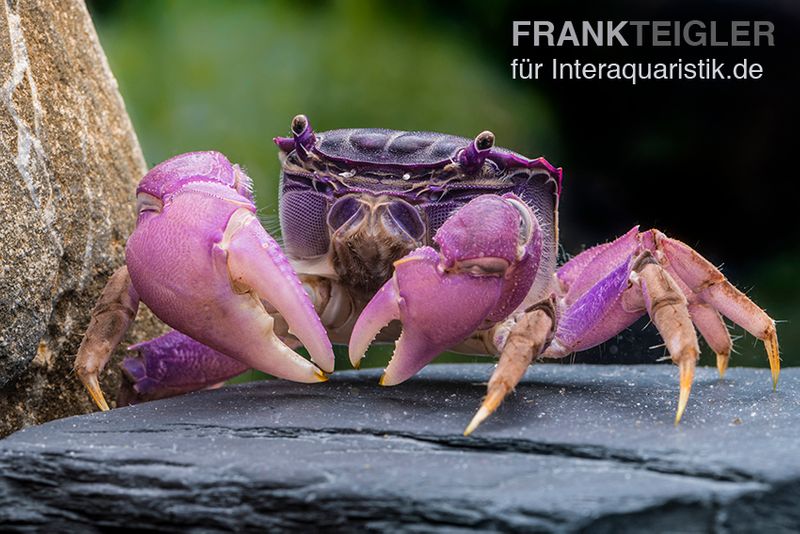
{"x": 437, "y": 309}
{"x": 203, "y": 263}
{"x": 482, "y": 271}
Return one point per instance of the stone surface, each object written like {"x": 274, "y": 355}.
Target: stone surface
{"x": 69, "y": 164}
{"x": 576, "y": 448}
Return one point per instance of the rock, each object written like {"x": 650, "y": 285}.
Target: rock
{"x": 69, "y": 164}
{"x": 575, "y": 448}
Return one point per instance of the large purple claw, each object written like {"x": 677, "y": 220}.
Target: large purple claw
{"x": 481, "y": 273}
{"x": 203, "y": 263}
{"x": 437, "y": 309}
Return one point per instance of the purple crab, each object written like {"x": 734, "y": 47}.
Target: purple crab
{"x": 436, "y": 241}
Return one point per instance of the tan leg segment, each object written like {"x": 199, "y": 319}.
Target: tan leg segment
{"x": 524, "y": 343}
{"x": 714, "y": 289}
{"x": 111, "y": 317}
{"x": 669, "y": 311}
{"x": 714, "y": 331}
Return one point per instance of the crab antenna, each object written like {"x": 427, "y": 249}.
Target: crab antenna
{"x": 473, "y": 156}
{"x": 303, "y": 135}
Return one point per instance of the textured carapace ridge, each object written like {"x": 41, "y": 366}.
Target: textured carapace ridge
{"x": 421, "y": 168}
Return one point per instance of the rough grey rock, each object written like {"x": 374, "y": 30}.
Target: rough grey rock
{"x": 69, "y": 164}
{"x": 576, "y": 448}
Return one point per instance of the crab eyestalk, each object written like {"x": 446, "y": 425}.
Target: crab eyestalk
{"x": 473, "y": 156}
{"x": 304, "y": 138}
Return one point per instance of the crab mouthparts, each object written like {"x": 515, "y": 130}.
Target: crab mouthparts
{"x": 366, "y": 245}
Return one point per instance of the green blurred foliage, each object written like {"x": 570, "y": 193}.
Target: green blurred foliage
{"x": 230, "y": 76}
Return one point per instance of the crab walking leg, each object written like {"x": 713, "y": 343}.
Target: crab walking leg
{"x": 525, "y": 342}
{"x": 669, "y": 311}
{"x": 111, "y": 317}
{"x": 713, "y": 288}
{"x": 711, "y": 326}
{"x": 173, "y": 364}
{"x": 606, "y": 309}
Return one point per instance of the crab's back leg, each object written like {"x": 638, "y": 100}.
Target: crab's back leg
{"x": 671, "y": 282}
{"x": 111, "y": 317}
{"x": 713, "y": 329}
{"x": 711, "y": 286}
{"x": 173, "y": 364}
{"x": 669, "y": 311}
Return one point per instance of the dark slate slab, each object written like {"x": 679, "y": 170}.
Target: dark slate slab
{"x": 576, "y": 448}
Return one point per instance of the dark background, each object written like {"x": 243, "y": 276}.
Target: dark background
{"x": 709, "y": 162}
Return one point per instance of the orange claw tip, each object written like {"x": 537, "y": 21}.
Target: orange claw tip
{"x": 687, "y": 376}
{"x": 489, "y": 405}
{"x": 722, "y": 363}
{"x": 479, "y": 417}
{"x": 771, "y": 344}
{"x": 321, "y": 375}
{"x": 382, "y": 380}
{"x": 93, "y": 387}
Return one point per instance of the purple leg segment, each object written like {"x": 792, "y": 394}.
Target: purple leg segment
{"x": 173, "y": 364}
{"x": 606, "y": 288}
{"x": 597, "y": 315}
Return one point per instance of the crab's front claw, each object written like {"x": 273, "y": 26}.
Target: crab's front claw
{"x": 200, "y": 259}
{"x": 482, "y": 271}
{"x": 438, "y": 309}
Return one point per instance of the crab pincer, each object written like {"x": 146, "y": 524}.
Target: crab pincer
{"x": 487, "y": 260}
{"x": 202, "y": 262}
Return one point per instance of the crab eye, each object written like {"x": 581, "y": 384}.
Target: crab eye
{"x": 407, "y": 218}
{"x": 345, "y": 210}
{"x": 146, "y": 202}
{"x": 525, "y": 222}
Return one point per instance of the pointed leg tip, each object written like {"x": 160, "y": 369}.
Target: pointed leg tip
{"x": 490, "y": 403}
{"x": 771, "y": 344}
{"x": 101, "y": 403}
{"x": 479, "y": 417}
{"x": 722, "y": 364}
{"x": 683, "y": 400}
{"x": 686, "y": 378}
{"x": 327, "y": 370}
{"x": 93, "y": 387}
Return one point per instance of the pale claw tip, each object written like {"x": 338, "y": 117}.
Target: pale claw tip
{"x": 477, "y": 419}
{"x": 93, "y": 387}
{"x": 771, "y": 344}
{"x": 687, "y": 376}
{"x": 489, "y": 405}
{"x": 722, "y": 363}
